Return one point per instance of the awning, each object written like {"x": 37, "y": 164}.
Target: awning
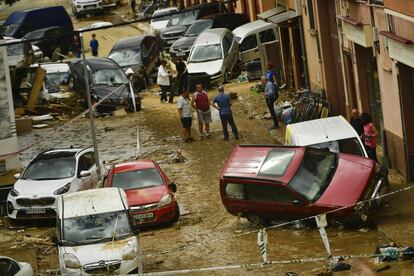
{"x": 281, "y": 17}
{"x": 272, "y": 12}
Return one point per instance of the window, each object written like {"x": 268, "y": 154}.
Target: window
{"x": 276, "y": 163}
{"x": 234, "y": 190}
{"x": 311, "y": 15}
{"x": 89, "y": 159}
{"x": 8, "y": 267}
{"x": 83, "y": 164}
{"x": 267, "y": 36}
{"x": 226, "y": 45}
{"x": 249, "y": 43}
{"x": 349, "y": 146}
{"x": 268, "y": 193}
{"x": 137, "y": 179}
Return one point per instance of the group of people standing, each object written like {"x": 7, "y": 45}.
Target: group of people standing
{"x": 365, "y": 128}
{"x": 163, "y": 79}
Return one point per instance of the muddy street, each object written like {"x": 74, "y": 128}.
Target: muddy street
{"x": 205, "y": 235}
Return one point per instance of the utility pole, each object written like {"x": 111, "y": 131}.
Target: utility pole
{"x": 91, "y": 119}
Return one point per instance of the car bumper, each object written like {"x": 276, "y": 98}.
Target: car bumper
{"x": 156, "y": 216}
{"x": 32, "y": 208}
{"x": 126, "y": 267}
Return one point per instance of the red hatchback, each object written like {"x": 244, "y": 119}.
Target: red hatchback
{"x": 149, "y": 192}
{"x": 263, "y": 183}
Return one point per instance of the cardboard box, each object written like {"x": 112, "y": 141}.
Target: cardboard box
{"x": 23, "y": 125}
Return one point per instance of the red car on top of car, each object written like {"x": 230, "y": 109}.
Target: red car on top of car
{"x": 263, "y": 182}
{"x": 149, "y": 192}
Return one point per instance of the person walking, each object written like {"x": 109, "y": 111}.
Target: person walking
{"x": 182, "y": 75}
{"x": 369, "y": 136}
{"x": 270, "y": 94}
{"x": 163, "y": 80}
{"x": 94, "y": 44}
{"x": 223, "y": 103}
{"x": 201, "y": 104}
{"x": 186, "y": 117}
{"x": 270, "y": 74}
{"x": 356, "y": 122}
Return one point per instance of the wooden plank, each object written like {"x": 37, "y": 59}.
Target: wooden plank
{"x": 36, "y": 89}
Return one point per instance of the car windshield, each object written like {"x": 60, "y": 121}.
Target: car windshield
{"x": 50, "y": 168}
{"x": 126, "y": 57}
{"x": 349, "y": 146}
{"x": 199, "y": 27}
{"x": 109, "y": 76}
{"x": 54, "y": 80}
{"x": 9, "y": 30}
{"x": 162, "y": 18}
{"x": 314, "y": 174}
{"x": 185, "y": 18}
{"x": 137, "y": 179}
{"x": 276, "y": 163}
{"x": 15, "y": 50}
{"x": 206, "y": 53}
{"x": 96, "y": 228}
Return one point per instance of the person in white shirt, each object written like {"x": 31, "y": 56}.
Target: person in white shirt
{"x": 163, "y": 80}
{"x": 186, "y": 116}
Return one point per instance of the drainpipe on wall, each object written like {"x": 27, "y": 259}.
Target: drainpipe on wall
{"x": 298, "y": 7}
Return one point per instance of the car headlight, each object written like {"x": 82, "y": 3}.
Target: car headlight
{"x": 71, "y": 261}
{"x": 165, "y": 200}
{"x": 216, "y": 75}
{"x": 62, "y": 190}
{"x": 14, "y": 193}
{"x": 129, "y": 252}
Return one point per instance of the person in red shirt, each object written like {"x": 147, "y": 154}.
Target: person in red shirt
{"x": 369, "y": 136}
{"x": 201, "y": 104}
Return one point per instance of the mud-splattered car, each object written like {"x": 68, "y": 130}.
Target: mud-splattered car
{"x": 263, "y": 182}
{"x": 149, "y": 192}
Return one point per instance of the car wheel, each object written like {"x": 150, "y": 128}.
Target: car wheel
{"x": 226, "y": 77}
{"x": 177, "y": 213}
{"x": 56, "y": 55}
{"x": 259, "y": 221}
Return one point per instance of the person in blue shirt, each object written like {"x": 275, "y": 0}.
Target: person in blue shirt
{"x": 222, "y": 102}
{"x": 94, "y": 45}
{"x": 270, "y": 94}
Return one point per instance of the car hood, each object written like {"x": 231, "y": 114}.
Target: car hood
{"x": 159, "y": 25}
{"x": 145, "y": 196}
{"x": 106, "y": 251}
{"x": 103, "y": 90}
{"x": 39, "y": 188}
{"x": 184, "y": 42}
{"x": 351, "y": 179}
{"x": 209, "y": 67}
{"x": 174, "y": 30}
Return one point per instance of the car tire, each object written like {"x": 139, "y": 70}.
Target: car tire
{"x": 226, "y": 77}
{"x": 177, "y": 213}
{"x": 75, "y": 13}
{"x": 257, "y": 220}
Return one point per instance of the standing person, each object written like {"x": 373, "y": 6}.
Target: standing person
{"x": 201, "y": 104}
{"x": 356, "y": 122}
{"x": 76, "y": 46}
{"x": 223, "y": 103}
{"x": 133, "y": 5}
{"x": 270, "y": 74}
{"x": 94, "y": 45}
{"x": 182, "y": 75}
{"x": 184, "y": 111}
{"x": 270, "y": 94}
{"x": 369, "y": 136}
{"x": 163, "y": 80}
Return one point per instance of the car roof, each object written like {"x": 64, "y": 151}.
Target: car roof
{"x": 100, "y": 62}
{"x": 55, "y": 67}
{"x": 321, "y": 130}
{"x": 93, "y": 201}
{"x": 132, "y": 166}
{"x": 129, "y": 42}
{"x": 246, "y": 161}
{"x": 211, "y": 36}
{"x": 246, "y": 29}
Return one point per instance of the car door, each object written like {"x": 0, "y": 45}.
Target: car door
{"x": 90, "y": 158}
{"x": 249, "y": 50}
{"x": 226, "y": 44}
{"x": 83, "y": 183}
{"x": 233, "y": 55}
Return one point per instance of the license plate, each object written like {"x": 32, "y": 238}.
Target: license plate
{"x": 143, "y": 216}
{"x": 35, "y": 211}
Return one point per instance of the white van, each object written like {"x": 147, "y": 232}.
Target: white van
{"x": 94, "y": 234}
{"x": 251, "y": 35}
{"x": 333, "y": 133}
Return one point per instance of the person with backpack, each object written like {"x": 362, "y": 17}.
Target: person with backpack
{"x": 201, "y": 104}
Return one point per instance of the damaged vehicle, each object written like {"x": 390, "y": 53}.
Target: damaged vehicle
{"x": 22, "y": 54}
{"x": 105, "y": 77}
{"x": 10, "y": 267}
{"x": 160, "y": 23}
{"x": 263, "y": 183}
{"x": 94, "y": 234}
{"x": 150, "y": 193}
{"x": 49, "y": 175}
{"x": 57, "y": 74}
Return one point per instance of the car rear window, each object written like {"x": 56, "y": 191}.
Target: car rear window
{"x": 276, "y": 163}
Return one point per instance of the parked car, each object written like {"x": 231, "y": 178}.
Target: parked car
{"x": 95, "y": 235}
{"x": 140, "y": 53}
{"x": 333, "y": 133}
{"x": 83, "y": 7}
{"x": 278, "y": 182}
{"x": 160, "y": 23}
{"x": 182, "y": 46}
{"x": 96, "y": 25}
{"x": 150, "y": 193}
{"x": 22, "y": 22}
{"x": 105, "y": 75}
{"x": 53, "y": 41}
{"x": 10, "y": 267}
{"x": 251, "y": 35}
{"x": 22, "y": 54}
{"x": 215, "y": 53}
{"x": 49, "y": 175}
{"x": 178, "y": 23}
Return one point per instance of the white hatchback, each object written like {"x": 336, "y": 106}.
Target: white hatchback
{"x": 49, "y": 175}
{"x": 160, "y": 22}
{"x": 333, "y": 133}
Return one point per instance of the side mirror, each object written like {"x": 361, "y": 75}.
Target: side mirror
{"x": 298, "y": 202}
{"x": 173, "y": 186}
{"x": 84, "y": 173}
{"x": 17, "y": 175}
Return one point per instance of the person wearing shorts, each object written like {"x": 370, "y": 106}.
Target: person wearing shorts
{"x": 186, "y": 116}
{"x": 201, "y": 103}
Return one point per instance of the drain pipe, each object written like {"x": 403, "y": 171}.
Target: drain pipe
{"x": 298, "y": 7}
